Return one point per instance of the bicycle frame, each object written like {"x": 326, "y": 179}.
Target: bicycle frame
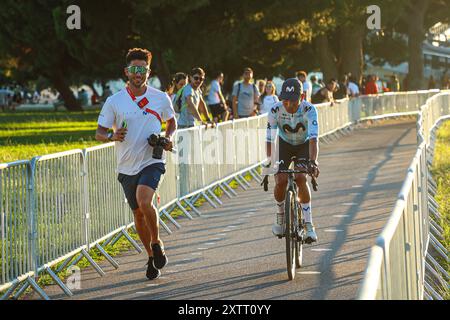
{"x": 292, "y": 186}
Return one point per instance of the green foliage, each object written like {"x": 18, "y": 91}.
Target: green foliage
{"x": 441, "y": 174}
{"x": 388, "y": 47}
{"x": 274, "y": 37}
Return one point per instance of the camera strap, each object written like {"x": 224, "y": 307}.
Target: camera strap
{"x": 142, "y": 105}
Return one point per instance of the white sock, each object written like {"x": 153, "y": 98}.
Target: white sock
{"x": 306, "y": 210}
{"x": 280, "y": 206}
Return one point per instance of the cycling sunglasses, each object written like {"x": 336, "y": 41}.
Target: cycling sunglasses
{"x": 137, "y": 69}
{"x": 197, "y": 78}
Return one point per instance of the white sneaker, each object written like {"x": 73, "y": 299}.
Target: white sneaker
{"x": 278, "y": 226}
{"x": 310, "y": 232}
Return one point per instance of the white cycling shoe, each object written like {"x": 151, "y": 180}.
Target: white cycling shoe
{"x": 311, "y": 235}
{"x": 278, "y": 226}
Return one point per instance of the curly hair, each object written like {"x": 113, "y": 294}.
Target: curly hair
{"x": 138, "y": 54}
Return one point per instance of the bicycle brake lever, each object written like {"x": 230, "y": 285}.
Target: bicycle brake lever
{"x": 314, "y": 183}
{"x": 265, "y": 182}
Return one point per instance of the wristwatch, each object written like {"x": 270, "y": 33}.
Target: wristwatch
{"x": 110, "y": 135}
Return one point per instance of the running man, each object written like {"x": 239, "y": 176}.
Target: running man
{"x": 298, "y": 132}
{"x": 135, "y": 113}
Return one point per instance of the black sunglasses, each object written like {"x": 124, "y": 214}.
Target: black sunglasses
{"x": 197, "y": 78}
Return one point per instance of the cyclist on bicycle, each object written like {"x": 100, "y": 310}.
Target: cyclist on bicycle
{"x": 298, "y": 131}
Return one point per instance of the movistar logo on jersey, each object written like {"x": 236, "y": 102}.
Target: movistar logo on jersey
{"x": 290, "y": 89}
{"x": 287, "y": 128}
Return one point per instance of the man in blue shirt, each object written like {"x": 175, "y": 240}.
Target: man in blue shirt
{"x": 192, "y": 103}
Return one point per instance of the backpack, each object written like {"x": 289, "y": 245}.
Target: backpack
{"x": 239, "y": 89}
{"x": 177, "y": 102}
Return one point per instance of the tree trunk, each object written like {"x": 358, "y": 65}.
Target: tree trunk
{"x": 162, "y": 69}
{"x": 351, "y": 50}
{"x": 60, "y": 84}
{"x": 416, "y": 36}
{"x": 327, "y": 58}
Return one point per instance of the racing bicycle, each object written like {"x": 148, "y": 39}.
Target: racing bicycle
{"x": 294, "y": 228}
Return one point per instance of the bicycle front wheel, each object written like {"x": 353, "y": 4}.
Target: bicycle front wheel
{"x": 289, "y": 207}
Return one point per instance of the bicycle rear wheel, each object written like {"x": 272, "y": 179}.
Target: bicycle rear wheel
{"x": 289, "y": 207}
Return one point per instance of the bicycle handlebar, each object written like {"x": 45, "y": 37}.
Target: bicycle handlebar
{"x": 305, "y": 169}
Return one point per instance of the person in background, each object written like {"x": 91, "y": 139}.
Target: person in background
{"x": 393, "y": 85}
{"x": 307, "y": 86}
{"x": 261, "y": 84}
{"x": 353, "y": 89}
{"x": 445, "y": 85}
{"x": 216, "y": 101}
{"x": 269, "y": 98}
{"x": 83, "y": 97}
{"x": 342, "y": 90}
{"x": 175, "y": 90}
{"x": 379, "y": 84}
{"x": 431, "y": 83}
{"x": 371, "y": 86}
{"x": 179, "y": 80}
{"x": 325, "y": 94}
{"x": 36, "y": 96}
{"x": 245, "y": 96}
{"x": 106, "y": 93}
{"x": 3, "y": 98}
{"x": 192, "y": 104}
{"x": 94, "y": 99}
{"x": 315, "y": 85}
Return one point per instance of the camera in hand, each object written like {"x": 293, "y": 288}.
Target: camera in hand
{"x": 158, "y": 143}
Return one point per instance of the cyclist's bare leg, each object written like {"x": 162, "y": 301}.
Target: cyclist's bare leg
{"x": 305, "y": 203}
{"x": 303, "y": 189}
{"x": 279, "y": 192}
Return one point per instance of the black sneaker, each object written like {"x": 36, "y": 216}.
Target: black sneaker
{"x": 159, "y": 258}
{"x": 152, "y": 272}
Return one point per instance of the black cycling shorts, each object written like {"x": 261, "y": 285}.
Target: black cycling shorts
{"x": 149, "y": 176}
{"x": 217, "y": 109}
{"x": 287, "y": 151}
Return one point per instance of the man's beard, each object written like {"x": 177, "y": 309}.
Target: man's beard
{"x": 138, "y": 83}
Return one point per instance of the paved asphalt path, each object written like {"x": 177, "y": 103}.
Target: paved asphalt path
{"x": 230, "y": 252}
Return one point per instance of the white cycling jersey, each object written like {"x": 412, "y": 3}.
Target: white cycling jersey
{"x": 296, "y": 128}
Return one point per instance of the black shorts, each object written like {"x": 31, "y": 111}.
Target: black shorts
{"x": 149, "y": 176}
{"x": 217, "y": 109}
{"x": 287, "y": 151}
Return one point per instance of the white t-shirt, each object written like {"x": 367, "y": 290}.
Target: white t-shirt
{"x": 134, "y": 153}
{"x": 268, "y": 103}
{"x": 213, "y": 96}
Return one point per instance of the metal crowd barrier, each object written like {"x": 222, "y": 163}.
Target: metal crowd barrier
{"x": 398, "y": 262}
{"x": 57, "y": 207}
{"x": 17, "y": 262}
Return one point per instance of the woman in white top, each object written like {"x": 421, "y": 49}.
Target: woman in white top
{"x": 268, "y": 98}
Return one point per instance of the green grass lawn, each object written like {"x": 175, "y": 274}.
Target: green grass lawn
{"x": 24, "y": 135}
{"x": 441, "y": 174}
